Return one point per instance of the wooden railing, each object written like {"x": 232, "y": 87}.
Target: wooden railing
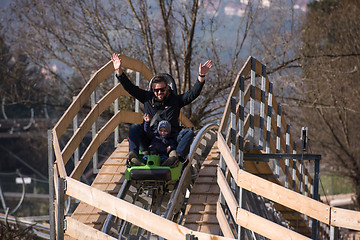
{"x": 265, "y": 137}
{"x": 66, "y": 180}
{"x": 254, "y": 113}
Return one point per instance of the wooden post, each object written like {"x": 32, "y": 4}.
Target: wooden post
{"x": 315, "y": 196}
{"x": 75, "y": 128}
{"x": 287, "y": 160}
{"x": 51, "y": 186}
{"x": 268, "y": 120}
{"x": 293, "y": 175}
{"x": 93, "y": 134}
{"x": 334, "y": 233}
{"x": 252, "y": 104}
{"x": 60, "y": 208}
{"x": 241, "y": 148}
{"x": 262, "y": 107}
{"x": 278, "y": 146}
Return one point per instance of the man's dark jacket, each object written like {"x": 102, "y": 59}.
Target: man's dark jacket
{"x": 170, "y": 106}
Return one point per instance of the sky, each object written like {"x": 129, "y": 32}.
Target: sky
{"x": 4, "y": 3}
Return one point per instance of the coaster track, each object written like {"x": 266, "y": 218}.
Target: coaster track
{"x": 243, "y": 174}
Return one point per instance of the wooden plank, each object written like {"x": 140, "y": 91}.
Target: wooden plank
{"x": 210, "y": 228}
{"x": 258, "y": 67}
{"x": 83, "y": 97}
{"x": 103, "y": 73}
{"x": 227, "y": 193}
{"x": 131, "y": 213}
{"x": 89, "y": 120}
{"x": 272, "y": 230}
{"x": 223, "y": 222}
{"x": 105, "y": 131}
{"x": 185, "y": 121}
{"x": 273, "y": 191}
{"x": 59, "y": 161}
{"x": 78, "y": 230}
{"x": 345, "y": 218}
{"x": 56, "y": 182}
{"x": 136, "y": 65}
{"x": 228, "y": 157}
{"x": 233, "y": 92}
{"x": 252, "y": 221}
{"x": 284, "y": 196}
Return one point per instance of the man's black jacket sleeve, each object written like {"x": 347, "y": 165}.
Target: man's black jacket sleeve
{"x": 193, "y": 93}
{"x": 133, "y": 90}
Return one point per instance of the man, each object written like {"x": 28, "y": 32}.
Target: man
{"x": 160, "y": 104}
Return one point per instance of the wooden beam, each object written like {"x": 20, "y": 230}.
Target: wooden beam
{"x": 184, "y": 120}
{"x": 78, "y": 230}
{"x": 345, "y": 218}
{"x": 226, "y": 191}
{"x": 223, "y": 222}
{"x": 105, "y": 131}
{"x": 265, "y": 227}
{"x": 234, "y": 90}
{"x": 132, "y": 213}
{"x": 59, "y": 161}
{"x": 83, "y": 97}
{"x": 135, "y": 65}
{"x": 284, "y": 196}
{"x": 252, "y": 221}
{"x": 89, "y": 120}
{"x": 228, "y": 157}
{"x": 273, "y": 191}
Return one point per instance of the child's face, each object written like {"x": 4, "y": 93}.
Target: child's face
{"x": 163, "y": 132}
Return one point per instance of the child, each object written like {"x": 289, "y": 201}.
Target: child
{"x": 161, "y": 141}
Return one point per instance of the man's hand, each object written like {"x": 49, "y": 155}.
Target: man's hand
{"x": 117, "y": 63}
{"x": 204, "y": 69}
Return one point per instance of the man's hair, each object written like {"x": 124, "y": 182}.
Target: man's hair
{"x": 159, "y": 79}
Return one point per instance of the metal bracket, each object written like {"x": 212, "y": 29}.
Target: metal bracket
{"x": 191, "y": 237}
{"x": 65, "y": 185}
{"x": 65, "y": 225}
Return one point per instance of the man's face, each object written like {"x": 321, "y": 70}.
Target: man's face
{"x": 160, "y": 90}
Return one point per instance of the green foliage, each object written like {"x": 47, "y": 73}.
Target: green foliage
{"x": 334, "y": 184}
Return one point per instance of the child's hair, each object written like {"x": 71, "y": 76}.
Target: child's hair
{"x": 164, "y": 124}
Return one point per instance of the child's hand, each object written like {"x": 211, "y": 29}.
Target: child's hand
{"x": 146, "y": 117}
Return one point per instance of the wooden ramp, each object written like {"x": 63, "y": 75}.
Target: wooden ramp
{"x": 109, "y": 179}
{"x": 200, "y": 213}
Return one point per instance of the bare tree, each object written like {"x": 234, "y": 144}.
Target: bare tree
{"x": 331, "y": 50}
{"x": 169, "y": 36}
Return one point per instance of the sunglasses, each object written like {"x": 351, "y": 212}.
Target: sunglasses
{"x": 159, "y": 89}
